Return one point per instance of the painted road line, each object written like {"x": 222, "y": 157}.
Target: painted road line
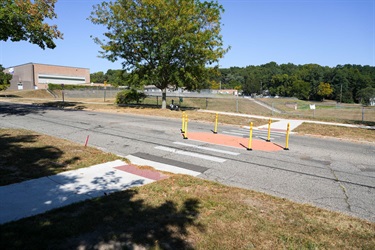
{"x": 158, "y": 163}
{"x": 200, "y": 156}
{"x": 205, "y": 148}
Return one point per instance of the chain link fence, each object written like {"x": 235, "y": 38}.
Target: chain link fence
{"x": 280, "y": 107}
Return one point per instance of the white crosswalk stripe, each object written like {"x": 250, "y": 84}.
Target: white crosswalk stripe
{"x": 256, "y": 133}
{"x": 197, "y": 155}
{"x": 206, "y": 148}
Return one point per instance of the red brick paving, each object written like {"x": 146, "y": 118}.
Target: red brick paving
{"x": 234, "y": 141}
{"x": 149, "y": 174}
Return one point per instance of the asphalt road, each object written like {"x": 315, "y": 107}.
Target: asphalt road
{"x": 328, "y": 173}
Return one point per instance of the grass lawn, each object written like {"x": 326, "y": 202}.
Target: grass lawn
{"x": 27, "y": 155}
{"x": 180, "y": 212}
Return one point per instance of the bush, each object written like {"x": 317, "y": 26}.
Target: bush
{"x": 129, "y": 96}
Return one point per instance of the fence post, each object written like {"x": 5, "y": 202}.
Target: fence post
{"x": 363, "y": 114}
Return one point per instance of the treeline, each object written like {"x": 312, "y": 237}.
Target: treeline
{"x": 343, "y": 83}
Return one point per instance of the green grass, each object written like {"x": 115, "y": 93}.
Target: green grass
{"x": 27, "y": 155}
{"x": 184, "y": 212}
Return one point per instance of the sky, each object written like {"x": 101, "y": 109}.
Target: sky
{"x": 325, "y": 32}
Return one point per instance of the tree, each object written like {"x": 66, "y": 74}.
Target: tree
{"x": 23, "y": 20}
{"x": 97, "y": 77}
{"x": 167, "y": 43}
{"x": 4, "y": 79}
{"x": 366, "y": 95}
{"x": 324, "y": 90}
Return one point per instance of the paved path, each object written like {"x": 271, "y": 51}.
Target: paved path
{"x": 37, "y": 196}
{"x": 281, "y": 123}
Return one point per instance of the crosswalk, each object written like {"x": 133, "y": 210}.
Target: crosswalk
{"x": 257, "y": 133}
{"x": 183, "y": 149}
{"x": 206, "y": 152}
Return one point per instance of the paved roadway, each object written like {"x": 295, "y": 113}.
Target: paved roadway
{"x": 328, "y": 173}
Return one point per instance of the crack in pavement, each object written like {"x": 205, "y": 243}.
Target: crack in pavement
{"x": 346, "y": 199}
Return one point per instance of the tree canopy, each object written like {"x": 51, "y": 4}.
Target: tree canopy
{"x": 24, "y": 20}
{"x": 167, "y": 43}
{"x": 4, "y": 79}
{"x": 310, "y": 81}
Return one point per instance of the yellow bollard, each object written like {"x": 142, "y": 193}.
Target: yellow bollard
{"x": 287, "y": 137}
{"x": 186, "y": 127}
{"x": 183, "y": 123}
{"x": 250, "y": 136}
{"x": 269, "y": 130}
{"x": 216, "y": 119}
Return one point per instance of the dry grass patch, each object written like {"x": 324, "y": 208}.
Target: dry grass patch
{"x": 27, "y": 155}
{"x": 184, "y": 212}
{"x": 357, "y": 134}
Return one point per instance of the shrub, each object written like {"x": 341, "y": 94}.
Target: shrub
{"x": 129, "y": 96}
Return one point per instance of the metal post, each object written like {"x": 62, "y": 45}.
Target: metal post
{"x": 287, "y": 138}
{"x": 185, "y": 127}
{"x": 183, "y": 123}
{"x": 269, "y": 130}
{"x": 216, "y": 120}
{"x": 250, "y": 136}
{"x": 363, "y": 114}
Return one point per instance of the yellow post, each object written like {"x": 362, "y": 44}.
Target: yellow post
{"x": 269, "y": 130}
{"x": 250, "y": 136}
{"x": 216, "y": 119}
{"x": 183, "y": 123}
{"x": 186, "y": 127}
{"x": 287, "y": 137}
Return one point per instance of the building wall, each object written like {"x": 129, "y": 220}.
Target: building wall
{"x": 22, "y": 77}
{"x": 37, "y": 76}
{"x": 44, "y": 74}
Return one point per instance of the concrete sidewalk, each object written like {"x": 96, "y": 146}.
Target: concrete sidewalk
{"x": 281, "y": 123}
{"x": 37, "y": 196}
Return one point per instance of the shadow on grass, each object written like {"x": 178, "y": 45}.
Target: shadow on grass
{"x": 364, "y": 123}
{"x": 61, "y": 104}
{"x": 20, "y": 162}
{"x": 10, "y": 96}
{"x": 36, "y": 108}
{"x": 117, "y": 221}
{"x": 153, "y": 106}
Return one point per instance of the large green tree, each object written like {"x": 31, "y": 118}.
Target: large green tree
{"x": 167, "y": 43}
{"x": 4, "y": 79}
{"x": 24, "y": 20}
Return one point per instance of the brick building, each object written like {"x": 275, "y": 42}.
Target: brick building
{"x": 37, "y": 76}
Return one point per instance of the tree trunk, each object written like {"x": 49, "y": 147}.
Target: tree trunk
{"x": 164, "y": 99}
